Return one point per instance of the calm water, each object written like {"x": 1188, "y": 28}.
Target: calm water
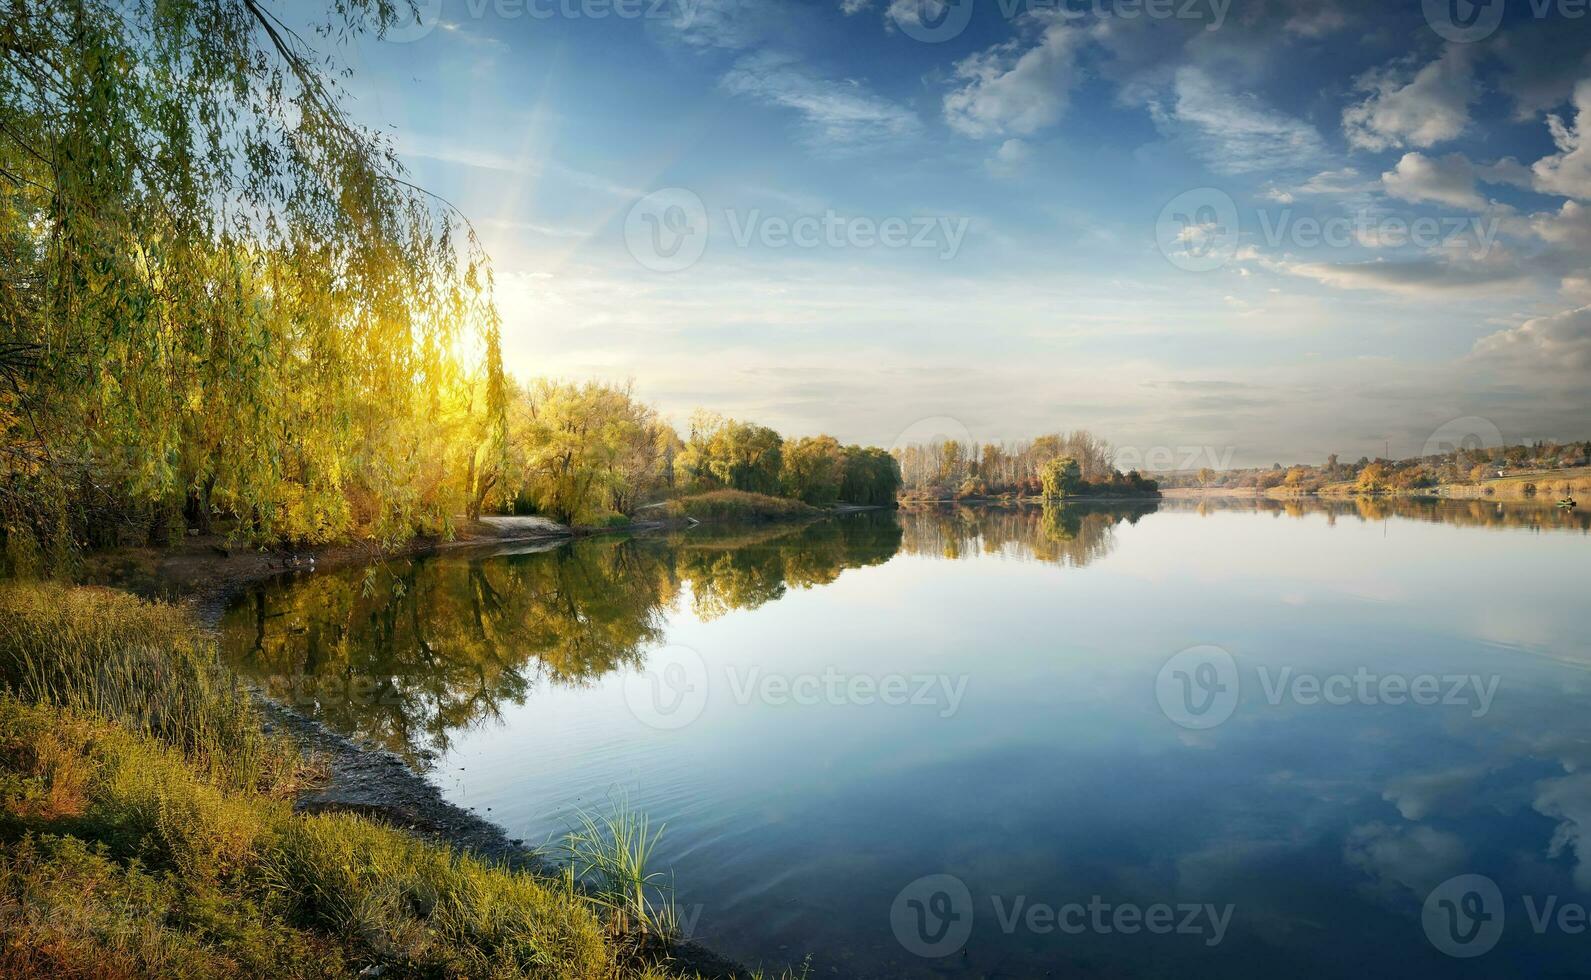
{"x": 974, "y": 733}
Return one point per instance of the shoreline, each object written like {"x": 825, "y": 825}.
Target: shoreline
{"x": 206, "y": 576}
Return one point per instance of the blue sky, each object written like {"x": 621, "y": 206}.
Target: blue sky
{"x": 1278, "y": 229}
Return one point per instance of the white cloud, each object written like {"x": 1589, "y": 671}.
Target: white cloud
{"x": 1416, "y": 857}
{"x": 731, "y": 24}
{"x": 1418, "y": 795}
{"x": 1506, "y": 171}
{"x": 1345, "y": 182}
{"x": 837, "y": 114}
{"x": 1568, "y": 226}
{"x": 850, "y": 7}
{"x": 1568, "y": 172}
{"x": 1237, "y": 134}
{"x": 1437, "y": 274}
{"x": 1577, "y": 287}
{"x": 1429, "y": 108}
{"x": 1010, "y": 159}
{"x": 1444, "y": 180}
{"x": 1316, "y": 22}
{"x": 1018, "y": 87}
{"x": 1556, "y": 343}
{"x": 1568, "y": 800}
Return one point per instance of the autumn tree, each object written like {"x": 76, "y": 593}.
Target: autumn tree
{"x": 579, "y": 452}
{"x": 1372, "y": 478}
{"x": 814, "y": 469}
{"x": 1061, "y": 476}
{"x": 217, "y": 291}
{"x": 726, "y": 453}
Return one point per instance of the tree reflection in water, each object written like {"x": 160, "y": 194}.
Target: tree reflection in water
{"x": 406, "y": 652}
{"x": 403, "y": 653}
{"x": 1069, "y": 534}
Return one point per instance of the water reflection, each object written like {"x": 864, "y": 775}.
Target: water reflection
{"x": 1478, "y": 512}
{"x": 793, "y": 827}
{"x": 404, "y": 653}
{"x": 729, "y": 569}
{"x": 1071, "y": 534}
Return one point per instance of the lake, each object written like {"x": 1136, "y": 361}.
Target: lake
{"x": 1220, "y": 738}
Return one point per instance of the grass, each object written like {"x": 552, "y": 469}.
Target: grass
{"x": 611, "y": 854}
{"x": 122, "y": 859}
{"x": 721, "y": 505}
{"x": 147, "y": 830}
{"x": 144, "y": 665}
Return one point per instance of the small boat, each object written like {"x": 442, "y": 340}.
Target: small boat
{"x": 1567, "y": 503}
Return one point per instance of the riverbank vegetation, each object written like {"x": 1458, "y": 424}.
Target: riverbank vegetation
{"x": 148, "y": 831}
{"x": 592, "y": 453}
{"x": 219, "y": 293}
{"x": 732, "y": 505}
{"x": 224, "y": 306}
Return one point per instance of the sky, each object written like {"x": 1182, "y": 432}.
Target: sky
{"x": 1220, "y": 231}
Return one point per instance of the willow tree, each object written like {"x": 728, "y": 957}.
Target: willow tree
{"x": 218, "y": 289}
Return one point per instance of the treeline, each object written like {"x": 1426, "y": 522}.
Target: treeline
{"x": 950, "y": 469}
{"x": 1458, "y": 466}
{"x": 724, "y": 453}
{"x": 587, "y": 453}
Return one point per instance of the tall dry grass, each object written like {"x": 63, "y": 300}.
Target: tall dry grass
{"x": 145, "y": 665}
